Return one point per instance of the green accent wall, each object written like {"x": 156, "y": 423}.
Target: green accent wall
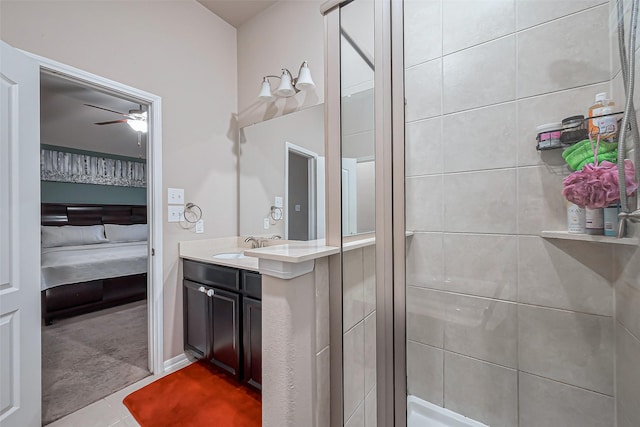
{"x": 69, "y": 192}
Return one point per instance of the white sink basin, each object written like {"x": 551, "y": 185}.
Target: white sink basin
{"x": 231, "y": 255}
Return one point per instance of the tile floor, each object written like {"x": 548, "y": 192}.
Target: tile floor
{"x": 110, "y": 411}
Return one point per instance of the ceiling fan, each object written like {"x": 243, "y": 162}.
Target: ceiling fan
{"x": 137, "y": 119}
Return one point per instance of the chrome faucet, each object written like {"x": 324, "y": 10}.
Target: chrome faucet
{"x": 255, "y": 243}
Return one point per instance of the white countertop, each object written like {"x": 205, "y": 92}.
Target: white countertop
{"x": 204, "y": 251}
{"x": 294, "y": 252}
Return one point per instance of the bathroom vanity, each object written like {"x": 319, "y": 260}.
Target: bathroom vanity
{"x": 222, "y": 317}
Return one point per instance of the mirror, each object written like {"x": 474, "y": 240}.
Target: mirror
{"x": 283, "y": 159}
{"x": 357, "y": 104}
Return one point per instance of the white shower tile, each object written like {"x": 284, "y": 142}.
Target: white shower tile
{"x": 353, "y": 288}
{"x": 565, "y": 346}
{"x": 534, "y": 12}
{"x": 467, "y": 23}
{"x": 549, "y": 108}
{"x": 425, "y": 260}
{"x": 627, "y": 375}
{"x": 425, "y": 372}
{"x": 353, "y": 355}
{"x": 424, "y": 203}
{"x": 483, "y": 265}
{"x": 422, "y": 31}
{"x": 482, "y": 328}
{"x": 541, "y": 205}
{"x": 565, "y": 274}
{"x": 370, "y": 353}
{"x": 482, "y": 391}
{"x": 479, "y": 76}
{"x": 423, "y": 91}
{"x": 480, "y": 139}
{"x": 628, "y": 307}
{"x": 369, "y": 265}
{"x": 370, "y": 409}
{"x": 357, "y": 419}
{"x": 628, "y": 266}
{"x": 481, "y": 202}
{"x": 546, "y": 403}
{"x": 550, "y": 58}
{"x": 426, "y": 316}
{"x": 423, "y": 145}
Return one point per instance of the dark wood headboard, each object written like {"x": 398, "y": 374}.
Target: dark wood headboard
{"x": 79, "y": 214}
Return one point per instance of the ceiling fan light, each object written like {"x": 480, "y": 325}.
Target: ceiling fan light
{"x": 138, "y": 125}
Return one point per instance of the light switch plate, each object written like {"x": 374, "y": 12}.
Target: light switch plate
{"x": 200, "y": 227}
{"x": 175, "y": 213}
{"x": 175, "y": 196}
{"x": 278, "y": 202}
{"x": 297, "y": 208}
{"x": 265, "y": 223}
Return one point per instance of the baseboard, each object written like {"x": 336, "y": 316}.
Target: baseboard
{"x": 176, "y": 363}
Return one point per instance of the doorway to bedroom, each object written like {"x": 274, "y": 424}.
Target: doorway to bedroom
{"x": 95, "y": 243}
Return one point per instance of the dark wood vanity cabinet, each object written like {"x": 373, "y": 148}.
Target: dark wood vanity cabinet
{"x": 222, "y": 318}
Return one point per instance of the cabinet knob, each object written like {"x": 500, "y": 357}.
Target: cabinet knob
{"x": 202, "y": 289}
{"x": 211, "y": 293}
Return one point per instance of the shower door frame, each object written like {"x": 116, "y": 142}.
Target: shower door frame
{"x": 389, "y": 204}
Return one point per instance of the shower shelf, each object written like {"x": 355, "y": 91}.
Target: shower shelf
{"x": 634, "y": 241}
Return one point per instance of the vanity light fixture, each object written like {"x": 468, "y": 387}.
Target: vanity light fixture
{"x": 289, "y": 85}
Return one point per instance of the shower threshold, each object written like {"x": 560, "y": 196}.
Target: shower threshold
{"x": 421, "y": 413}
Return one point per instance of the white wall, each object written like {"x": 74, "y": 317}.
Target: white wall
{"x": 179, "y": 51}
{"x": 282, "y": 36}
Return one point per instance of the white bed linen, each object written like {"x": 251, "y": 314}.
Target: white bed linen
{"x": 73, "y": 264}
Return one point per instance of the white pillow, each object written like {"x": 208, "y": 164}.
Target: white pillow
{"x": 71, "y": 235}
{"x": 126, "y": 233}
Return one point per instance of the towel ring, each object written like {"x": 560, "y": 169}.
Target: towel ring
{"x": 192, "y": 213}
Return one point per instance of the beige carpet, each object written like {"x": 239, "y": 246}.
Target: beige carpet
{"x": 88, "y": 357}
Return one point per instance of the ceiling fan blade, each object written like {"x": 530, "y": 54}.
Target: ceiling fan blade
{"x": 111, "y": 122}
{"x": 106, "y": 109}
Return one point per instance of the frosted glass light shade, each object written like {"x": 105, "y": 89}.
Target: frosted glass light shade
{"x": 285, "y": 88}
{"x": 304, "y": 79}
{"x": 265, "y": 92}
{"x": 138, "y": 125}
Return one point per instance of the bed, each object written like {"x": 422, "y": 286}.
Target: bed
{"x": 93, "y": 257}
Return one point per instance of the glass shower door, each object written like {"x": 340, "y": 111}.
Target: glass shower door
{"x": 358, "y": 213}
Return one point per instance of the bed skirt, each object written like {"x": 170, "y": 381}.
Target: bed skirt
{"x": 79, "y": 298}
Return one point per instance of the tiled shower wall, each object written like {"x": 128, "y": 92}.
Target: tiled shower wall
{"x": 503, "y": 326}
{"x": 359, "y": 329}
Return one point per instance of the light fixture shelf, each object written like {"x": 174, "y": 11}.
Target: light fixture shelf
{"x": 564, "y": 235}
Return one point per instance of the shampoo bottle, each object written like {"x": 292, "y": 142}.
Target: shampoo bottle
{"x": 596, "y": 110}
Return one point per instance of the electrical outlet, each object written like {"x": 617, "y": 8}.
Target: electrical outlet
{"x": 200, "y": 227}
{"x": 297, "y": 208}
{"x": 278, "y": 202}
{"x": 175, "y": 196}
{"x": 175, "y": 213}
{"x": 265, "y": 223}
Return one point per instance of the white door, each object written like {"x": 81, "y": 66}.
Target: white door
{"x": 20, "y": 370}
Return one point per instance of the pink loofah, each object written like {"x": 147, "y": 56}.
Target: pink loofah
{"x": 596, "y": 186}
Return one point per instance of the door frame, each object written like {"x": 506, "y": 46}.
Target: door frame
{"x": 154, "y": 194}
{"x": 312, "y": 159}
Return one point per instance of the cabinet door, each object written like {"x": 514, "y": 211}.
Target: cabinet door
{"x": 197, "y": 339}
{"x": 252, "y": 342}
{"x": 225, "y": 310}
